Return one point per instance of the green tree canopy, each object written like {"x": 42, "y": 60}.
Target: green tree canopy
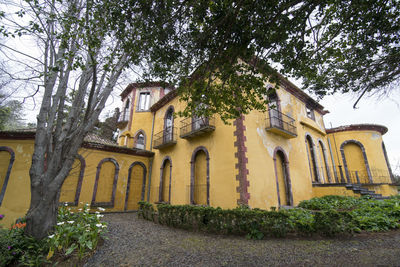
{"x": 334, "y": 46}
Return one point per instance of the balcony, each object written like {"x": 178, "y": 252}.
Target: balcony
{"x": 165, "y": 138}
{"x": 192, "y": 127}
{"x": 123, "y": 119}
{"x": 280, "y": 124}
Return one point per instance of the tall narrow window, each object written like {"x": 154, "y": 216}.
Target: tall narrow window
{"x": 311, "y": 159}
{"x": 274, "y": 114}
{"x": 199, "y": 122}
{"x": 144, "y": 101}
{"x": 140, "y": 141}
{"x": 310, "y": 113}
{"x": 125, "y": 112}
{"x": 169, "y": 125}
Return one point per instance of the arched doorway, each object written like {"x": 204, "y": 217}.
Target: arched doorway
{"x": 200, "y": 177}
{"x": 136, "y": 185}
{"x": 165, "y": 180}
{"x": 282, "y": 176}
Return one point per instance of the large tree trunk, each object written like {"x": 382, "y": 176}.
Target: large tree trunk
{"x": 42, "y": 214}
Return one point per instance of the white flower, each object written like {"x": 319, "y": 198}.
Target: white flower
{"x": 99, "y": 215}
{"x": 97, "y": 212}
{"x": 60, "y": 223}
{"x": 101, "y": 209}
{"x": 104, "y": 226}
{"x": 99, "y": 225}
{"x": 51, "y": 236}
{"x": 71, "y": 222}
{"x": 65, "y": 204}
{"x": 79, "y": 209}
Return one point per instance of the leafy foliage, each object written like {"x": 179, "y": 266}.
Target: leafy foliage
{"x": 226, "y": 46}
{"x": 10, "y": 115}
{"x": 328, "y": 216}
{"x": 16, "y": 247}
{"x": 330, "y": 202}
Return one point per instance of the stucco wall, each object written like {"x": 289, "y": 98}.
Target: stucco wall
{"x": 220, "y": 146}
{"x": 17, "y": 196}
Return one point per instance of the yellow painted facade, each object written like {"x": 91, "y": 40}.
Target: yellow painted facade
{"x": 16, "y": 199}
{"x": 310, "y": 153}
{"x": 272, "y": 159}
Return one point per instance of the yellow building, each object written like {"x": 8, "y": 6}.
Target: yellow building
{"x": 277, "y": 158}
{"x": 263, "y": 160}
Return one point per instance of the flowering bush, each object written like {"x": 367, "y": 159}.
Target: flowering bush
{"x": 18, "y": 225}
{"x": 75, "y": 232}
{"x": 78, "y": 231}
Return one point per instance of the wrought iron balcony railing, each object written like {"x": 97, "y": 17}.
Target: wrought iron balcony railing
{"x": 338, "y": 175}
{"x": 191, "y": 127}
{"x": 123, "y": 119}
{"x": 281, "y": 124}
{"x": 165, "y": 138}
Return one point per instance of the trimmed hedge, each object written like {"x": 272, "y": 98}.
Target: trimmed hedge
{"x": 328, "y": 216}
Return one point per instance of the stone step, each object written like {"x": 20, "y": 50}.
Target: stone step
{"x": 358, "y": 189}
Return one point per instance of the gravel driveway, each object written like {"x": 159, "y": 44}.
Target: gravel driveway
{"x": 137, "y": 242}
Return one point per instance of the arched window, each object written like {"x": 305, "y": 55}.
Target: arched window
{"x": 200, "y": 177}
{"x": 169, "y": 125}
{"x": 312, "y": 159}
{"x": 106, "y": 183}
{"x": 282, "y": 175}
{"x": 165, "y": 180}
{"x": 7, "y": 157}
{"x": 140, "y": 140}
{"x": 325, "y": 171}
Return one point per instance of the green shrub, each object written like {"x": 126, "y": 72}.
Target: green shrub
{"x": 331, "y": 202}
{"x": 332, "y": 222}
{"x": 329, "y": 216}
{"x": 146, "y": 210}
{"x": 301, "y": 221}
{"x": 17, "y": 248}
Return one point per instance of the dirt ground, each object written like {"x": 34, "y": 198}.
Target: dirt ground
{"x": 137, "y": 242}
